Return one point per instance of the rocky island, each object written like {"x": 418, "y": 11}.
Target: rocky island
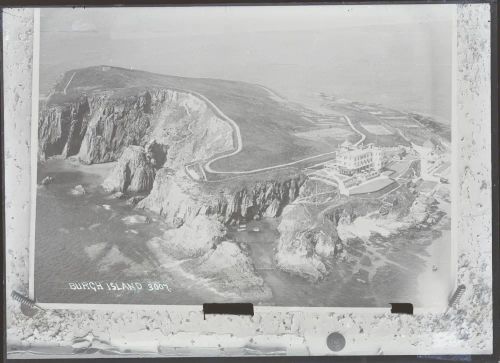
{"x": 236, "y": 195}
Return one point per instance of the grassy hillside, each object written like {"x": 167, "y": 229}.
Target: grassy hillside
{"x": 388, "y": 127}
{"x": 266, "y": 124}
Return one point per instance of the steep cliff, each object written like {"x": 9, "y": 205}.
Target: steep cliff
{"x": 99, "y": 125}
{"x": 262, "y": 120}
{"x": 61, "y": 128}
{"x": 178, "y": 198}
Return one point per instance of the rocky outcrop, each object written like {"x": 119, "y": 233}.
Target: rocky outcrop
{"x": 262, "y": 198}
{"x": 422, "y": 211}
{"x": 134, "y": 172}
{"x": 224, "y": 265}
{"x": 191, "y": 129}
{"x": 135, "y": 219}
{"x": 406, "y": 212}
{"x": 176, "y": 197}
{"x": 99, "y": 126}
{"x": 193, "y": 239}
{"x": 231, "y": 270}
{"x": 47, "y": 180}
{"x": 117, "y": 195}
{"x": 307, "y": 242}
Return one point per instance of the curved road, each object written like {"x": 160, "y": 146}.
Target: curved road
{"x": 231, "y": 122}
{"x": 208, "y": 167}
{"x": 67, "y": 85}
{"x": 363, "y": 136}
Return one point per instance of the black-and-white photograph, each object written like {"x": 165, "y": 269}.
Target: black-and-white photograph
{"x": 282, "y": 156}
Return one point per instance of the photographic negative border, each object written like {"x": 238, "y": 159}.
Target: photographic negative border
{"x": 494, "y": 161}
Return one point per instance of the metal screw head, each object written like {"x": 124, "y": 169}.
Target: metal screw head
{"x": 335, "y": 342}
{"x": 28, "y": 310}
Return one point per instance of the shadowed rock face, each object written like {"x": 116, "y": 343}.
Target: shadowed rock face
{"x": 62, "y": 128}
{"x": 96, "y": 127}
{"x": 157, "y": 153}
{"x": 99, "y": 126}
{"x": 136, "y": 168}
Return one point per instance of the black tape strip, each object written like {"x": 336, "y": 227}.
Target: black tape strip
{"x": 402, "y": 308}
{"x": 230, "y": 308}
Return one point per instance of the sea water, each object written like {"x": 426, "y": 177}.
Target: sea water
{"x": 92, "y": 248}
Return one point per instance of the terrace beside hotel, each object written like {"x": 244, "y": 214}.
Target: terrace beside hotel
{"x": 358, "y": 169}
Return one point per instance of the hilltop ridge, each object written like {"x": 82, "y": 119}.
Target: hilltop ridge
{"x": 267, "y": 125}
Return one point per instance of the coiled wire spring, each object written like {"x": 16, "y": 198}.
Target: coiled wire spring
{"x": 23, "y": 300}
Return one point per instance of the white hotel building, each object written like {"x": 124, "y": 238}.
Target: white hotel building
{"x": 351, "y": 160}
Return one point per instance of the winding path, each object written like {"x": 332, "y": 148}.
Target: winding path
{"x": 363, "y": 136}
{"x": 267, "y": 168}
{"x": 208, "y": 167}
{"x": 67, "y": 85}
{"x": 239, "y": 143}
{"x": 233, "y": 124}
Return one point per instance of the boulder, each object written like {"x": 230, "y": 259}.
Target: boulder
{"x": 78, "y": 190}
{"x": 47, "y": 180}
{"x": 135, "y": 219}
{"x": 118, "y": 195}
{"x": 132, "y": 201}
